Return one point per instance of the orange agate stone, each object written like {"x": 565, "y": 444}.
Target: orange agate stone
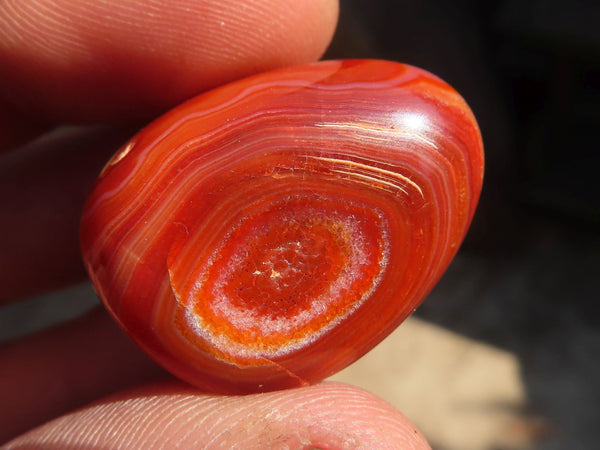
{"x": 268, "y": 233}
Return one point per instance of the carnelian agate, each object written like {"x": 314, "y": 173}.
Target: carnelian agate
{"x": 268, "y": 233}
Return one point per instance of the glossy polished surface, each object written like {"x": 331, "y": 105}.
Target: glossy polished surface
{"x": 268, "y": 233}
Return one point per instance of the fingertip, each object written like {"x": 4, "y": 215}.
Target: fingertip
{"x": 329, "y": 415}
{"x": 84, "y": 61}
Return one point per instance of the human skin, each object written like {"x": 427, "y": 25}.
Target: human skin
{"x": 106, "y": 68}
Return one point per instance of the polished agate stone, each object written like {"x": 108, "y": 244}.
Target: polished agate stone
{"x": 268, "y": 233}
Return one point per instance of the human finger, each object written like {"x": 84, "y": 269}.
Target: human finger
{"x": 63, "y": 368}
{"x": 42, "y": 190}
{"x": 171, "y": 414}
{"x": 91, "y": 61}
{"x": 16, "y": 129}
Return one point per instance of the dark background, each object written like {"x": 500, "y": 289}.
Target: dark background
{"x": 527, "y": 278}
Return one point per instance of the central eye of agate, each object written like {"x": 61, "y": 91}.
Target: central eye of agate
{"x": 282, "y": 277}
{"x": 285, "y": 265}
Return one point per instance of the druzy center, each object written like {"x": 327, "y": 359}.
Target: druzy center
{"x": 287, "y": 273}
{"x": 288, "y": 265}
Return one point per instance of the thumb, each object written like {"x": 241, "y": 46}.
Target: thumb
{"x": 171, "y": 414}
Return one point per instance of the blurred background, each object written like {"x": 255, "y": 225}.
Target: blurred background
{"x": 505, "y": 353}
